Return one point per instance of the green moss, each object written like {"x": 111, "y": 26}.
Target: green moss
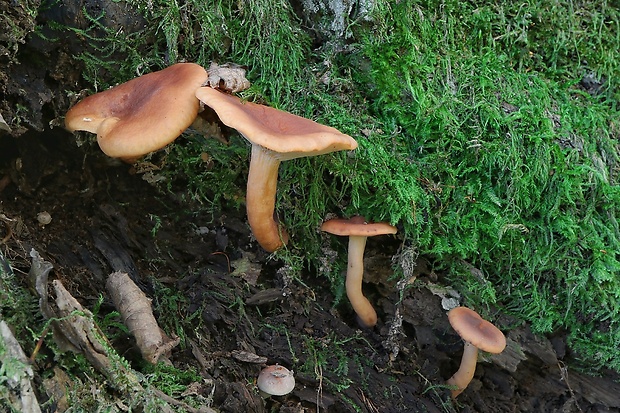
{"x": 172, "y": 315}
{"x": 17, "y": 306}
{"x": 517, "y": 170}
{"x": 17, "y": 19}
{"x": 210, "y": 172}
{"x": 480, "y": 159}
{"x": 264, "y": 35}
{"x": 170, "y": 380}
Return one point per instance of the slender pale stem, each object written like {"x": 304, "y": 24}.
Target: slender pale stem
{"x": 465, "y": 373}
{"x": 261, "y": 199}
{"x": 355, "y": 276}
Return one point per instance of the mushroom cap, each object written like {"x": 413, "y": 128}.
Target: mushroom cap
{"x": 276, "y": 380}
{"x": 289, "y": 135}
{"x": 357, "y": 226}
{"x": 476, "y": 330}
{"x": 142, "y": 115}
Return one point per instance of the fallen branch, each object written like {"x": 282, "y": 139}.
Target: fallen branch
{"x": 75, "y": 329}
{"x": 80, "y": 329}
{"x": 137, "y": 315}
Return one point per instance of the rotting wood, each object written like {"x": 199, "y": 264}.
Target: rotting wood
{"x": 76, "y": 330}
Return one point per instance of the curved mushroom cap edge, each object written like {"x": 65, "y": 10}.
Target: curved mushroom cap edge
{"x": 277, "y": 130}
{"x": 357, "y": 226}
{"x": 476, "y": 330}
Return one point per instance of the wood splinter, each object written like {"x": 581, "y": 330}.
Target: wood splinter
{"x": 137, "y": 315}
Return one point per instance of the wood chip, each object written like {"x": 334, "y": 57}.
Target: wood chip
{"x": 18, "y": 372}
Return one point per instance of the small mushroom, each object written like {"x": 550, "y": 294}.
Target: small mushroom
{"x": 358, "y": 230}
{"x": 142, "y": 115}
{"x": 275, "y": 136}
{"x": 478, "y": 334}
{"x": 44, "y": 218}
{"x": 275, "y": 380}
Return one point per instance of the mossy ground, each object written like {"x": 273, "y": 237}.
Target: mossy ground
{"x": 478, "y": 137}
{"x": 488, "y": 134}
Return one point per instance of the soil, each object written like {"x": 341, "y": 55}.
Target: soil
{"x": 105, "y": 218}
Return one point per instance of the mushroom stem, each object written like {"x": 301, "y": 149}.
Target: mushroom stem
{"x": 355, "y": 275}
{"x": 261, "y": 199}
{"x": 465, "y": 373}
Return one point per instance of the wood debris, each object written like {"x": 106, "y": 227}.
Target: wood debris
{"x": 3, "y": 125}
{"x": 137, "y": 315}
{"x": 17, "y": 372}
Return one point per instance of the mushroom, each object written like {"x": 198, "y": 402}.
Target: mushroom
{"x": 275, "y": 380}
{"x": 478, "y": 334}
{"x": 275, "y": 136}
{"x": 142, "y": 115}
{"x": 357, "y": 229}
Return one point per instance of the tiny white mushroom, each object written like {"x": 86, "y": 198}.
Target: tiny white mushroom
{"x": 275, "y": 380}
{"x": 44, "y": 218}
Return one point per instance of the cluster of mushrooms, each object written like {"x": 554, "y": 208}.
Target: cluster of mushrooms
{"x": 149, "y": 112}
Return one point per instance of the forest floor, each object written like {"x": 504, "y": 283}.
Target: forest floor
{"x": 233, "y": 306}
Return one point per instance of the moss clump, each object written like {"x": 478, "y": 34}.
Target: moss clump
{"x": 263, "y": 35}
{"x": 512, "y": 169}
{"x": 482, "y": 159}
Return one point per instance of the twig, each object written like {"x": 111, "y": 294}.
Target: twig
{"x": 227, "y": 259}
{"x": 179, "y": 403}
{"x": 564, "y": 376}
{"x": 137, "y": 315}
{"x": 33, "y": 356}
{"x": 9, "y": 230}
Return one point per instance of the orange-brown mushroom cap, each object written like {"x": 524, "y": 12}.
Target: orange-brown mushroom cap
{"x": 476, "y": 330}
{"x": 142, "y": 115}
{"x": 288, "y": 136}
{"x": 357, "y": 226}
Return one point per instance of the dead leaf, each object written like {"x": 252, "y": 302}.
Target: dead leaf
{"x": 229, "y": 77}
{"x": 246, "y": 269}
